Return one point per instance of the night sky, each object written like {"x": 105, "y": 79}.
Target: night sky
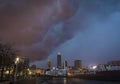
{"x": 80, "y": 29}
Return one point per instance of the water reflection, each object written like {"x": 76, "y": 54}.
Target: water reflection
{"x": 77, "y": 81}
{"x": 65, "y": 80}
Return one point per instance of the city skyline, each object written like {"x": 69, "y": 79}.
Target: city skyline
{"x": 79, "y": 29}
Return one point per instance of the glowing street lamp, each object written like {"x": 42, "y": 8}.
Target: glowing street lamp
{"x": 7, "y": 72}
{"x": 17, "y": 60}
{"x": 16, "y": 66}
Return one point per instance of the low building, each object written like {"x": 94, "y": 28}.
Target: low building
{"x": 57, "y": 72}
{"x": 39, "y": 71}
{"x": 114, "y": 63}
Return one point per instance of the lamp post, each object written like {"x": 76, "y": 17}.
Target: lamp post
{"x": 16, "y": 66}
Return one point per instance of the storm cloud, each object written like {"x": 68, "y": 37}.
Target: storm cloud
{"x": 83, "y": 29}
{"x": 29, "y": 24}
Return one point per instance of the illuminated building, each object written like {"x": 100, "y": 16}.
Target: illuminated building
{"x": 77, "y": 64}
{"x": 33, "y": 69}
{"x": 59, "y": 60}
{"x": 113, "y": 65}
{"x": 39, "y": 71}
{"x": 48, "y": 64}
{"x": 56, "y": 72}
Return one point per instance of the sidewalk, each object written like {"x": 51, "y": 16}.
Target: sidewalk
{"x": 26, "y": 81}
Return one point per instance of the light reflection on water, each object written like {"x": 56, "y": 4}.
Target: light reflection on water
{"x": 77, "y": 81}
{"x": 65, "y": 80}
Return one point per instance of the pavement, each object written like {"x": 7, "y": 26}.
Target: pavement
{"x": 26, "y": 81}
{"x": 31, "y": 81}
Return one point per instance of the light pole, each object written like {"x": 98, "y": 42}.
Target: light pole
{"x": 16, "y": 66}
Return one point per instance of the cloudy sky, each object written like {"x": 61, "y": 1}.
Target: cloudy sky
{"x": 80, "y": 29}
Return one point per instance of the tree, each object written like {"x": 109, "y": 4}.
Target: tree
{"x": 7, "y": 56}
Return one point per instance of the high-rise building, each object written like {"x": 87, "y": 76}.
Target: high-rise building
{"x": 59, "y": 60}
{"x": 26, "y": 62}
{"x": 77, "y": 64}
{"x": 48, "y": 64}
{"x": 65, "y": 64}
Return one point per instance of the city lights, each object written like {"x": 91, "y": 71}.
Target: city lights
{"x": 7, "y": 72}
{"x": 94, "y": 67}
{"x": 17, "y": 60}
{"x": 16, "y": 67}
{"x": 59, "y": 41}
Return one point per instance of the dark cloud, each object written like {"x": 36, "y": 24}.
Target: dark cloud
{"x": 29, "y": 24}
{"x": 79, "y": 27}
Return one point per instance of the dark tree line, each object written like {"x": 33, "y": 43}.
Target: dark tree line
{"x": 7, "y": 57}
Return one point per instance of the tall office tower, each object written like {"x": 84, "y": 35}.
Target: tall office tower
{"x": 59, "y": 60}
{"x": 26, "y": 62}
{"x": 65, "y": 65}
{"x": 48, "y": 64}
{"x": 77, "y": 64}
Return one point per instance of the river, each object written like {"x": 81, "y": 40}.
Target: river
{"x": 76, "y": 81}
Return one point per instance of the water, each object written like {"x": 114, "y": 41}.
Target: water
{"x": 76, "y": 81}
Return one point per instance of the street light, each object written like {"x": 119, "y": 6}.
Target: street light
{"x": 7, "y": 72}
{"x": 17, "y": 60}
{"x": 16, "y": 66}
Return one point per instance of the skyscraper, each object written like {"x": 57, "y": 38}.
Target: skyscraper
{"x": 65, "y": 64}
{"x": 48, "y": 64}
{"x": 26, "y": 62}
{"x": 78, "y": 64}
{"x": 59, "y": 60}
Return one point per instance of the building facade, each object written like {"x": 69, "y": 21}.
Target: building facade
{"x": 77, "y": 64}
{"x": 49, "y": 64}
{"x": 59, "y": 65}
{"x": 114, "y": 63}
{"x": 65, "y": 64}
{"x": 26, "y": 62}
